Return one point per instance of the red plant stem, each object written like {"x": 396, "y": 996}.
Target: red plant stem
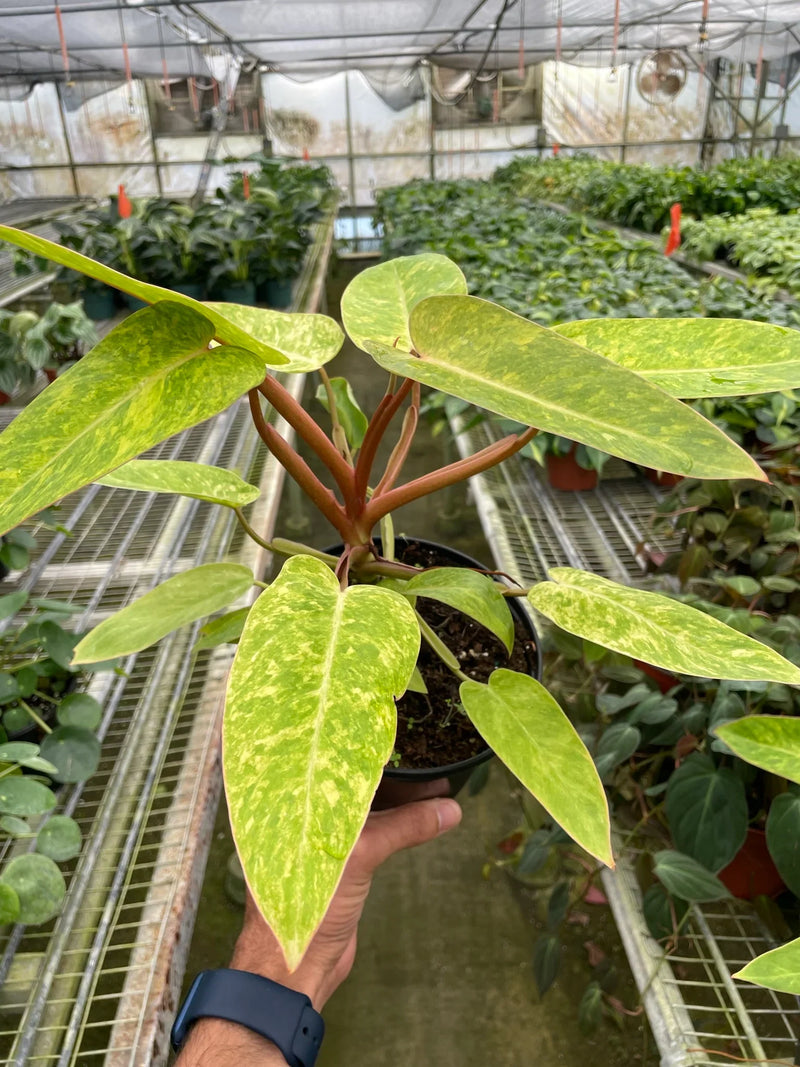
{"x": 299, "y": 419}
{"x": 401, "y": 449}
{"x": 297, "y": 467}
{"x": 454, "y": 472}
{"x": 378, "y": 425}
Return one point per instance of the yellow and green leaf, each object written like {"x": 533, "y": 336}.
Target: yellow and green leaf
{"x": 309, "y": 724}
{"x": 197, "y": 480}
{"x": 150, "y": 378}
{"x": 474, "y": 594}
{"x": 771, "y": 742}
{"x": 186, "y": 597}
{"x": 500, "y": 361}
{"x": 778, "y": 969}
{"x": 697, "y": 357}
{"x": 307, "y": 342}
{"x": 530, "y": 733}
{"x": 656, "y": 629}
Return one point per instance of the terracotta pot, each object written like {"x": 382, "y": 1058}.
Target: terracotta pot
{"x": 662, "y": 478}
{"x": 4, "y": 398}
{"x": 403, "y": 785}
{"x": 752, "y": 873}
{"x": 50, "y": 373}
{"x": 663, "y": 679}
{"x": 564, "y": 473}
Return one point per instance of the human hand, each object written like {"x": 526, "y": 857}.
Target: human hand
{"x": 330, "y": 955}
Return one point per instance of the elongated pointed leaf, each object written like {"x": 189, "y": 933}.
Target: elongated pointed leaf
{"x": 530, "y": 733}
{"x": 656, "y": 629}
{"x": 768, "y": 741}
{"x": 151, "y": 377}
{"x": 377, "y": 303}
{"x": 307, "y": 342}
{"x": 778, "y": 969}
{"x": 351, "y": 418}
{"x": 184, "y": 598}
{"x": 473, "y": 594}
{"x": 223, "y": 630}
{"x": 697, "y": 357}
{"x": 198, "y": 480}
{"x": 491, "y": 357}
{"x": 309, "y": 724}
{"x": 687, "y": 879}
{"x": 225, "y": 330}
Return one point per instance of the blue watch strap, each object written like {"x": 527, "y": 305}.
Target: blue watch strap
{"x": 284, "y": 1016}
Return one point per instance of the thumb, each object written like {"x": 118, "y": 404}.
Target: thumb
{"x": 387, "y": 832}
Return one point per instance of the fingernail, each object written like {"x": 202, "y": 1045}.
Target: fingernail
{"x": 449, "y": 813}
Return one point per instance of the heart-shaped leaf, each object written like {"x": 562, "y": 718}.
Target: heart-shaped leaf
{"x": 697, "y": 357}
{"x": 521, "y": 721}
{"x": 184, "y": 598}
{"x": 706, "y": 809}
{"x": 74, "y": 752}
{"x": 309, "y": 724}
{"x": 377, "y": 303}
{"x": 491, "y": 357}
{"x": 778, "y": 969}
{"x": 546, "y": 960}
{"x": 654, "y": 628}
{"x": 79, "y": 709}
{"x": 618, "y": 743}
{"x": 307, "y": 342}
{"x": 687, "y": 879}
{"x": 197, "y": 480}
{"x": 771, "y": 742}
{"x": 224, "y": 329}
{"x": 11, "y": 603}
{"x": 110, "y": 406}
{"x": 783, "y": 838}
{"x": 23, "y": 796}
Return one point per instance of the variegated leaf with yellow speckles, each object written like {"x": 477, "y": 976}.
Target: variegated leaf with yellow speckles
{"x": 309, "y": 724}
{"x": 778, "y": 969}
{"x": 530, "y": 733}
{"x": 150, "y": 378}
{"x": 768, "y": 741}
{"x": 697, "y": 357}
{"x": 188, "y": 596}
{"x": 307, "y": 341}
{"x": 656, "y": 629}
{"x": 225, "y": 330}
{"x": 474, "y": 594}
{"x": 377, "y": 303}
{"x": 197, "y": 480}
{"x": 491, "y": 357}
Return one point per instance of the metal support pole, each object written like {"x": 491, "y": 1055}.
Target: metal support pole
{"x": 351, "y": 166}
{"x": 68, "y": 146}
{"x": 627, "y": 113}
{"x": 759, "y": 95}
{"x": 707, "y": 146}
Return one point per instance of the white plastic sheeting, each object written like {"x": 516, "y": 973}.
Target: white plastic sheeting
{"x": 312, "y": 37}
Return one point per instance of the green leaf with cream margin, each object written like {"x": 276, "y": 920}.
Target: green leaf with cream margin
{"x": 307, "y": 341}
{"x": 656, "y": 629}
{"x": 474, "y": 594}
{"x": 697, "y": 357}
{"x": 186, "y": 597}
{"x": 197, "y": 480}
{"x": 521, "y": 721}
{"x": 309, "y": 723}
{"x": 150, "y": 378}
{"x": 778, "y": 969}
{"x": 490, "y": 357}
{"x": 377, "y": 303}
{"x": 771, "y": 742}
{"x": 225, "y": 330}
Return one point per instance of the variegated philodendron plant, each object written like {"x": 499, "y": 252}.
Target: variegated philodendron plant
{"x": 329, "y": 646}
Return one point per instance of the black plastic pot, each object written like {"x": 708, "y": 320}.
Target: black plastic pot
{"x": 99, "y": 304}
{"x": 403, "y": 785}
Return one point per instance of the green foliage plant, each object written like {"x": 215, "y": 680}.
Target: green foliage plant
{"x": 326, "y": 648}
{"x": 47, "y": 738}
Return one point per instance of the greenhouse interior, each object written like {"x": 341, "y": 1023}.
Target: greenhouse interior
{"x": 280, "y": 781}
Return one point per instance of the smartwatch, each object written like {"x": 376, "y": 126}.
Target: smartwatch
{"x": 284, "y": 1016}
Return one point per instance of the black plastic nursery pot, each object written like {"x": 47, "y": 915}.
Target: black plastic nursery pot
{"x": 193, "y": 289}
{"x": 237, "y": 293}
{"x": 278, "y": 293}
{"x": 403, "y": 785}
{"x": 99, "y": 304}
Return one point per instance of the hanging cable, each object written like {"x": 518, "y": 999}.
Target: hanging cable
{"x": 559, "y": 30}
{"x": 521, "y": 67}
{"x": 63, "y": 42}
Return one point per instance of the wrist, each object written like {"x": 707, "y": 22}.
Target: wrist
{"x": 261, "y": 955}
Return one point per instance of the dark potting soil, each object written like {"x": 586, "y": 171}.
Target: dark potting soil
{"x": 432, "y": 728}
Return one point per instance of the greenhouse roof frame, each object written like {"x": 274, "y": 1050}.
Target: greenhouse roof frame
{"x": 169, "y": 39}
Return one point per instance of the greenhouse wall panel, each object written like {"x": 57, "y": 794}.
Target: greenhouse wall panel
{"x": 111, "y": 126}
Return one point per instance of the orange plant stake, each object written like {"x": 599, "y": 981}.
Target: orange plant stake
{"x": 674, "y": 239}
{"x": 246, "y": 185}
{"x": 124, "y": 205}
